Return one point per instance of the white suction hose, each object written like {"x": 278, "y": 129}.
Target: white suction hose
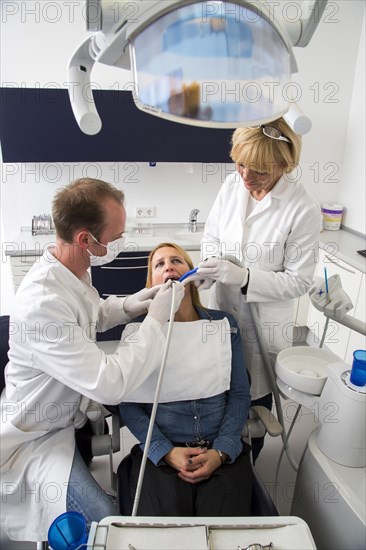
{"x": 155, "y": 406}
{"x": 269, "y": 369}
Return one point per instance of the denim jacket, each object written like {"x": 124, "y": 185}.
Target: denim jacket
{"x": 218, "y": 419}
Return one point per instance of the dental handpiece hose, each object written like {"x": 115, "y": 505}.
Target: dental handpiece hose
{"x": 155, "y": 406}
{"x": 271, "y": 376}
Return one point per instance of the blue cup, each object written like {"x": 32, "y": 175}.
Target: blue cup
{"x": 68, "y": 532}
{"x": 358, "y": 372}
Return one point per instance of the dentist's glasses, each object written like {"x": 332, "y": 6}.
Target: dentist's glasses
{"x": 272, "y": 133}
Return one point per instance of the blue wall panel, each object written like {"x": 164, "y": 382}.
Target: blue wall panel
{"x": 37, "y": 125}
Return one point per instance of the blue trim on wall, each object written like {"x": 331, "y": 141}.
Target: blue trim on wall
{"x": 37, "y": 125}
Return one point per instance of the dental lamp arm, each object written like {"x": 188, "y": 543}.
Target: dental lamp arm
{"x": 301, "y": 32}
{"x": 79, "y": 71}
{"x": 309, "y": 25}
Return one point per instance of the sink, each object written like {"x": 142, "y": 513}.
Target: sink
{"x": 304, "y": 368}
{"x": 186, "y": 236}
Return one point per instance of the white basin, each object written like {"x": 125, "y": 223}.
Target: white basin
{"x": 304, "y": 368}
{"x": 186, "y": 236}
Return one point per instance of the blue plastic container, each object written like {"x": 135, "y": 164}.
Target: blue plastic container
{"x": 68, "y": 532}
{"x": 358, "y": 372}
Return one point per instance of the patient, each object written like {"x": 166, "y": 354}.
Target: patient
{"x": 197, "y": 463}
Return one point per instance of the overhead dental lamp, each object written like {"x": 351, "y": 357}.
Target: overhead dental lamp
{"x": 212, "y": 64}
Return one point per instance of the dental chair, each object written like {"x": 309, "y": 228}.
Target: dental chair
{"x": 260, "y": 421}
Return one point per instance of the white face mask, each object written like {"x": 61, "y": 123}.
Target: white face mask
{"x": 113, "y": 249}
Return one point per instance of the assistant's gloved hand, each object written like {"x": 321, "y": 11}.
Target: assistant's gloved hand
{"x": 203, "y": 283}
{"x": 223, "y": 271}
{"x": 161, "y": 305}
{"x": 199, "y": 281}
{"x": 139, "y": 303}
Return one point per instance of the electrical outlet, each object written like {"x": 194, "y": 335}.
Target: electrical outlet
{"x": 145, "y": 212}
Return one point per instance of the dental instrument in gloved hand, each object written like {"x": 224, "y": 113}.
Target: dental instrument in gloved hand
{"x": 161, "y": 305}
{"x": 188, "y": 274}
{"x": 138, "y": 303}
{"x": 224, "y": 271}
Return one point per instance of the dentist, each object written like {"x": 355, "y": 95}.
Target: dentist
{"x": 55, "y": 366}
{"x": 266, "y": 219}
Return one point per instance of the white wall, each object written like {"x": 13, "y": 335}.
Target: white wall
{"x": 38, "y": 39}
{"x": 173, "y": 189}
{"x": 352, "y": 191}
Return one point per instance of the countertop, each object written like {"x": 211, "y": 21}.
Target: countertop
{"x": 26, "y": 244}
{"x": 342, "y": 244}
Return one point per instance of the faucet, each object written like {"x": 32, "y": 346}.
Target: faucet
{"x": 192, "y": 222}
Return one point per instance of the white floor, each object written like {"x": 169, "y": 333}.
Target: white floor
{"x": 281, "y": 492}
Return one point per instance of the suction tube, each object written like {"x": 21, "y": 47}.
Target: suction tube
{"x": 272, "y": 379}
{"x": 155, "y": 406}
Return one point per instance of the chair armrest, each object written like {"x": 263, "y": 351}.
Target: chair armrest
{"x": 96, "y": 414}
{"x": 260, "y": 421}
{"x": 269, "y": 421}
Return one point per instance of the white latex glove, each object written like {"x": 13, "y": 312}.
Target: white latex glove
{"x": 203, "y": 284}
{"x": 161, "y": 305}
{"x": 139, "y": 303}
{"x": 223, "y": 271}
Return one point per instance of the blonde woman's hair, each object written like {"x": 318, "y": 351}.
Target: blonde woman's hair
{"x": 252, "y": 148}
{"x": 194, "y": 292}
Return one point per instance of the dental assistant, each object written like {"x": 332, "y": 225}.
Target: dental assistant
{"x": 264, "y": 218}
{"x": 55, "y": 366}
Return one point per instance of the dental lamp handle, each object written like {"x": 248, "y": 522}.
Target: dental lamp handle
{"x": 297, "y": 120}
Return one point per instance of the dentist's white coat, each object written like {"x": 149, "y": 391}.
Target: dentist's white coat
{"x": 54, "y": 368}
{"x": 278, "y": 242}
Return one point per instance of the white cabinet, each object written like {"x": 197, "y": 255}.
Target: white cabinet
{"x": 357, "y": 340}
{"x": 20, "y": 265}
{"x": 338, "y": 336}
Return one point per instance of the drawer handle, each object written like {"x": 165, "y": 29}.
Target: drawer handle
{"x": 338, "y": 265}
{"x": 126, "y": 267}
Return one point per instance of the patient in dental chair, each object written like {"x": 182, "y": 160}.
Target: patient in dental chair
{"x": 197, "y": 463}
